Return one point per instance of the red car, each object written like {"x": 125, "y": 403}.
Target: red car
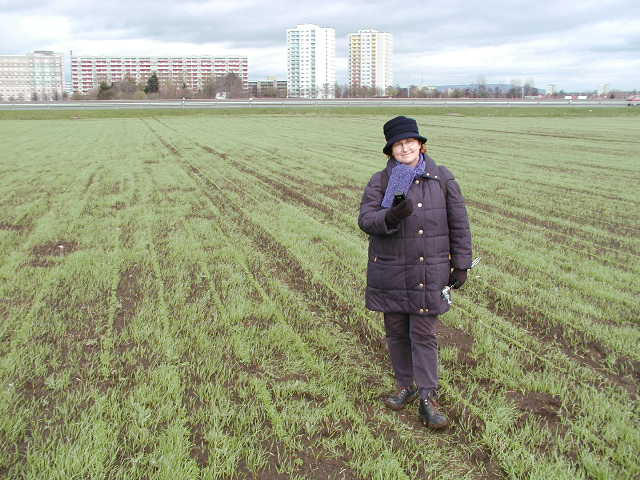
{"x": 633, "y": 101}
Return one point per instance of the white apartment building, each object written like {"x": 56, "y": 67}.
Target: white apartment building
{"x": 370, "y": 60}
{"x": 35, "y": 76}
{"x": 311, "y": 61}
{"x": 87, "y": 72}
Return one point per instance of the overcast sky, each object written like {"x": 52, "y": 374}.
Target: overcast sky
{"x": 577, "y": 47}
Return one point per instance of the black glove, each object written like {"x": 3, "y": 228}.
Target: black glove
{"x": 398, "y": 212}
{"x": 457, "y": 278}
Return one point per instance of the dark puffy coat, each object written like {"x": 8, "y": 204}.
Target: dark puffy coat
{"x": 409, "y": 265}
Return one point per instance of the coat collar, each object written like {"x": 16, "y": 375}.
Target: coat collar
{"x": 430, "y": 167}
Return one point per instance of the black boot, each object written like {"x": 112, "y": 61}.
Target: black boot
{"x": 431, "y": 415}
{"x": 401, "y": 398}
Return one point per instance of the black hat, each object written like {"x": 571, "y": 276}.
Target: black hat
{"x": 400, "y": 128}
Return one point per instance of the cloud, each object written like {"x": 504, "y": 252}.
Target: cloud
{"x": 436, "y": 42}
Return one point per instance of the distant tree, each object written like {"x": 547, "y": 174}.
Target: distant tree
{"x": 393, "y": 91}
{"x": 56, "y": 95}
{"x": 184, "y": 91}
{"x": 168, "y": 89}
{"x": 34, "y": 96}
{"x": 127, "y": 87}
{"x": 231, "y": 84}
{"x": 153, "y": 85}
{"x": 106, "y": 91}
{"x": 208, "y": 89}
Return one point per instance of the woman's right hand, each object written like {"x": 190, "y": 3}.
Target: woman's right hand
{"x": 396, "y": 213}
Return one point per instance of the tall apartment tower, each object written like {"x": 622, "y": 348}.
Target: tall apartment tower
{"x": 370, "y": 60}
{"x": 34, "y": 76}
{"x": 311, "y": 61}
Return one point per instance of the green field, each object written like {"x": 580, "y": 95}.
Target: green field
{"x": 182, "y": 296}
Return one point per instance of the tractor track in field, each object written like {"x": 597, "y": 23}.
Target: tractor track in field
{"x": 535, "y": 134}
{"x": 322, "y": 300}
{"x": 562, "y": 189}
{"x": 512, "y": 267}
{"x": 553, "y": 230}
{"x": 557, "y": 239}
{"x": 588, "y": 353}
{"x": 593, "y": 221}
{"x": 280, "y": 189}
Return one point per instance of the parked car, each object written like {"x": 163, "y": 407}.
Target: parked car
{"x": 633, "y": 101}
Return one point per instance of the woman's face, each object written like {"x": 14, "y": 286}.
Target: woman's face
{"x": 407, "y": 151}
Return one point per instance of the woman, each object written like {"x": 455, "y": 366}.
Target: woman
{"x": 417, "y": 245}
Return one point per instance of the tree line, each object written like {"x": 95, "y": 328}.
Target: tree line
{"x": 229, "y": 84}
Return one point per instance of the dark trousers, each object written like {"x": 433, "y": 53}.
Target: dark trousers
{"x": 413, "y": 349}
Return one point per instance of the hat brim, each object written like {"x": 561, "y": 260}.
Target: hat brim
{"x": 401, "y": 136}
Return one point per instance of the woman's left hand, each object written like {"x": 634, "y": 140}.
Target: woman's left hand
{"x": 457, "y": 278}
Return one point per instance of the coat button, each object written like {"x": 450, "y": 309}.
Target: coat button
{"x": 422, "y": 259}
{"x": 419, "y": 204}
{"x": 421, "y": 285}
{"x": 435, "y": 176}
{"x": 422, "y": 310}
{"x": 420, "y": 232}
{"x": 375, "y": 259}
{"x": 417, "y": 181}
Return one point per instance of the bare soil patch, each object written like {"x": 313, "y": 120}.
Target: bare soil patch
{"x": 543, "y": 406}
{"x": 55, "y": 249}
{"x": 12, "y": 227}
{"x": 451, "y": 336}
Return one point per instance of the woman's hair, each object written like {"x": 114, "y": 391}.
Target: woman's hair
{"x": 423, "y": 149}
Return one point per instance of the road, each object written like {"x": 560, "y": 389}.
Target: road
{"x": 284, "y": 103}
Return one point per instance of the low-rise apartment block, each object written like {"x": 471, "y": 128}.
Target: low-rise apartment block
{"x": 87, "y": 72}
{"x": 268, "y": 88}
{"x": 32, "y": 77}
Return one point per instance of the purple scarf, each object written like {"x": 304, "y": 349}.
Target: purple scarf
{"x": 401, "y": 179}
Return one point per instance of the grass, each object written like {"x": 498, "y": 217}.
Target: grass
{"x": 182, "y": 296}
{"x": 347, "y": 110}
